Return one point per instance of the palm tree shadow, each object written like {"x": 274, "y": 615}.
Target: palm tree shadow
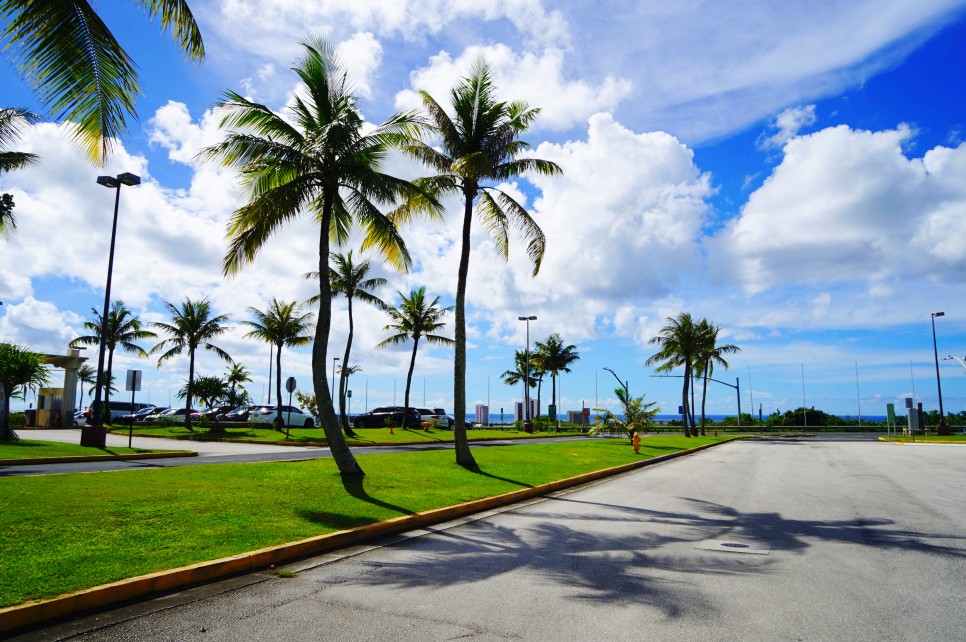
{"x": 476, "y": 470}
{"x": 355, "y": 486}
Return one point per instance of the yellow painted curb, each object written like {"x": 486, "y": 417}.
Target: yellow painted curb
{"x": 32, "y": 613}
{"x": 86, "y": 458}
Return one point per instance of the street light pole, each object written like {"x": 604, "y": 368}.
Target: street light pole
{"x": 527, "y": 425}
{"x": 935, "y": 354}
{"x": 95, "y": 434}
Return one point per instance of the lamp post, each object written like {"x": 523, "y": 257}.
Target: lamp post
{"x": 935, "y": 354}
{"x": 627, "y": 391}
{"x": 94, "y": 434}
{"x": 527, "y": 425}
{"x": 332, "y": 394}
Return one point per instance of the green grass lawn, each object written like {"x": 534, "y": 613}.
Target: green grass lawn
{"x": 30, "y": 448}
{"x": 61, "y": 533}
{"x": 930, "y": 439}
{"x": 307, "y": 436}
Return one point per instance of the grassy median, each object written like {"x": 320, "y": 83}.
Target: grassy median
{"x": 32, "y": 449}
{"x": 61, "y": 533}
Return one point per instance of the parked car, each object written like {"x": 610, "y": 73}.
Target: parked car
{"x": 215, "y": 412}
{"x": 152, "y": 415}
{"x": 291, "y": 416}
{"x": 119, "y": 409}
{"x": 172, "y": 415}
{"x": 434, "y": 417}
{"x": 376, "y": 418}
{"x": 449, "y": 418}
{"x": 138, "y": 415}
{"x": 240, "y": 413}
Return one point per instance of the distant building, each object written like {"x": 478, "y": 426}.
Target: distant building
{"x": 518, "y": 415}
{"x": 482, "y": 414}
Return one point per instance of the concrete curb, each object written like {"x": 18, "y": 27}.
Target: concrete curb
{"x": 32, "y": 613}
{"x": 84, "y": 458}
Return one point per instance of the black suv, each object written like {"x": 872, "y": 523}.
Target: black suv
{"x": 376, "y": 418}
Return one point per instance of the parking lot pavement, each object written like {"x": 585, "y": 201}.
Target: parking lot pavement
{"x": 203, "y": 448}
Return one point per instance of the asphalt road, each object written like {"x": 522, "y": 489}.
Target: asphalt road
{"x": 768, "y": 540}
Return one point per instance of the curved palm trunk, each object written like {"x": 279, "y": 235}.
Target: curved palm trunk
{"x": 409, "y": 381}
{"x": 344, "y": 375}
{"x": 463, "y": 455}
{"x": 191, "y": 381}
{"x": 343, "y": 457}
{"x": 280, "y": 423}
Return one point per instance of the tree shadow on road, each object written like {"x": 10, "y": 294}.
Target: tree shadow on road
{"x": 640, "y": 556}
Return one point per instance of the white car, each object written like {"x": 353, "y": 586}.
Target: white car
{"x": 291, "y": 415}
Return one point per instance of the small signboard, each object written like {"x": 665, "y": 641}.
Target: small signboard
{"x": 290, "y": 384}
{"x": 586, "y": 412}
{"x": 133, "y": 383}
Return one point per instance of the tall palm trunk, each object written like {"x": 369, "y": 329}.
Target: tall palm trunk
{"x": 704, "y": 396}
{"x": 278, "y": 387}
{"x": 344, "y": 375}
{"x": 684, "y": 399}
{"x": 463, "y": 455}
{"x": 553, "y": 398}
{"x": 343, "y": 457}
{"x": 106, "y": 410}
{"x": 191, "y": 382}
{"x": 409, "y": 381}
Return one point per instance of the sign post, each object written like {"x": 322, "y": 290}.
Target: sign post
{"x": 290, "y": 387}
{"x": 132, "y": 383}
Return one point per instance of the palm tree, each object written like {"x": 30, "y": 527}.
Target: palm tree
{"x": 20, "y": 369}
{"x": 123, "y": 329}
{"x": 476, "y": 145}
{"x": 515, "y": 377}
{"x": 348, "y": 279}
{"x": 72, "y": 61}
{"x": 553, "y": 357}
{"x": 635, "y": 415}
{"x": 680, "y": 342}
{"x": 709, "y": 354}
{"x": 283, "y": 325}
{"x": 315, "y": 160}
{"x": 192, "y": 326}
{"x": 415, "y": 318}
{"x": 85, "y": 374}
{"x": 237, "y": 375}
{"x": 13, "y": 122}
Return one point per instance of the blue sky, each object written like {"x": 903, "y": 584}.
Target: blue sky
{"x": 795, "y": 175}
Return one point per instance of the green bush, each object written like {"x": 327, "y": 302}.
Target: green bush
{"x": 18, "y": 419}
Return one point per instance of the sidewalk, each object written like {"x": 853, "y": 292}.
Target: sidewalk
{"x": 203, "y": 448}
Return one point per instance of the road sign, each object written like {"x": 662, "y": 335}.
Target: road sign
{"x": 133, "y": 383}
{"x": 290, "y": 384}
{"x": 586, "y": 412}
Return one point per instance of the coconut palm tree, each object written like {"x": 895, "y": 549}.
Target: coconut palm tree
{"x": 192, "y": 326}
{"x": 635, "y": 415}
{"x": 316, "y": 160}
{"x": 237, "y": 374}
{"x": 123, "y": 329}
{"x": 553, "y": 357}
{"x": 515, "y": 377}
{"x": 478, "y": 144}
{"x": 72, "y": 61}
{"x": 709, "y": 355}
{"x": 350, "y": 280}
{"x": 416, "y": 318}
{"x": 13, "y": 122}
{"x": 20, "y": 370}
{"x": 679, "y": 343}
{"x": 86, "y": 375}
{"x": 282, "y": 325}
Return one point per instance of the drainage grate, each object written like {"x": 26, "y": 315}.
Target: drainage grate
{"x": 726, "y": 546}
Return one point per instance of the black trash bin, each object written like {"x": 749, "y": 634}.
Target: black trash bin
{"x": 31, "y": 417}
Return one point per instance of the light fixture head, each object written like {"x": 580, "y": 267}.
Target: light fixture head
{"x": 129, "y": 179}
{"x": 107, "y": 181}
{"x": 939, "y": 314}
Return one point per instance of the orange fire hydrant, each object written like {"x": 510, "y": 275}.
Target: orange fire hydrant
{"x": 636, "y": 442}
